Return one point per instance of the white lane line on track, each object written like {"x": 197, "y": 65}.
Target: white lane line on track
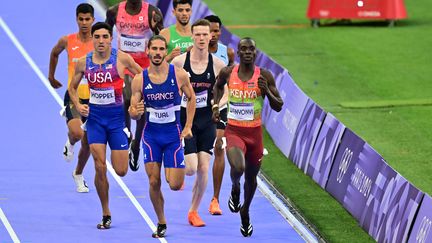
{"x": 6, "y": 221}
{"x": 60, "y": 102}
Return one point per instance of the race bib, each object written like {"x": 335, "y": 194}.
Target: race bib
{"x": 132, "y": 43}
{"x": 201, "y": 99}
{"x": 102, "y": 96}
{"x": 162, "y": 115}
{"x": 241, "y": 111}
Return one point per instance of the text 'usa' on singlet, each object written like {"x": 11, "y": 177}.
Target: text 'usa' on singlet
{"x": 162, "y": 101}
{"x": 134, "y": 30}
{"x": 244, "y": 100}
{"x": 104, "y": 81}
{"x": 75, "y": 50}
{"x": 202, "y": 84}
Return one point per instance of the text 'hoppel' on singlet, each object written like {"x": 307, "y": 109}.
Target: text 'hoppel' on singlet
{"x": 104, "y": 81}
{"x": 202, "y": 83}
{"x": 134, "y": 30}
{"x": 162, "y": 101}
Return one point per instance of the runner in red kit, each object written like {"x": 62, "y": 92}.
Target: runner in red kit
{"x": 135, "y": 21}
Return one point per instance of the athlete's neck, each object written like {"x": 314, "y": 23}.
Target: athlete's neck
{"x": 84, "y": 36}
{"x": 101, "y": 57}
{"x": 133, "y": 7}
{"x": 213, "y": 47}
{"x": 246, "y": 71}
{"x": 158, "y": 73}
{"x": 183, "y": 30}
{"x": 197, "y": 54}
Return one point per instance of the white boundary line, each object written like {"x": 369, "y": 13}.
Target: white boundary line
{"x": 5, "y": 220}
{"x": 284, "y": 211}
{"x": 60, "y": 102}
{"x": 262, "y": 186}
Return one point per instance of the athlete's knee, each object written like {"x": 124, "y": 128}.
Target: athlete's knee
{"x": 121, "y": 172}
{"x": 100, "y": 167}
{"x": 175, "y": 186}
{"x": 76, "y": 134}
{"x": 203, "y": 168}
{"x": 238, "y": 168}
{"x": 154, "y": 182}
{"x": 190, "y": 171}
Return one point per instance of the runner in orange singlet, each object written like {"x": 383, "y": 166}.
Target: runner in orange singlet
{"x": 135, "y": 21}
{"x": 76, "y": 45}
{"x": 248, "y": 85}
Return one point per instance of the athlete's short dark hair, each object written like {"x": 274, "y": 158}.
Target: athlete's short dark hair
{"x": 246, "y": 39}
{"x": 200, "y": 22}
{"x": 85, "y": 8}
{"x": 177, "y": 2}
{"x": 101, "y": 25}
{"x": 214, "y": 19}
{"x": 157, "y": 37}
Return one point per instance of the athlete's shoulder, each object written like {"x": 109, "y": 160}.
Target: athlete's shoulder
{"x": 165, "y": 32}
{"x": 179, "y": 60}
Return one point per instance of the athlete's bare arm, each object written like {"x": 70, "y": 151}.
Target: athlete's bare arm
{"x": 218, "y": 65}
{"x": 219, "y": 90}
{"x": 136, "y": 108}
{"x": 186, "y": 88}
{"x": 176, "y": 51}
{"x": 268, "y": 88}
{"x": 231, "y": 56}
{"x": 128, "y": 62}
{"x": 55, "y": 53}
{"x": 155, "y": 19}
{"x": 73, "y": 87}
{"x": 111, "y": 15}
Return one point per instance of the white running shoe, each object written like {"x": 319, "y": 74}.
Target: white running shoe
{"x": 68, "y": 151}
{"x": 80, "y": 183}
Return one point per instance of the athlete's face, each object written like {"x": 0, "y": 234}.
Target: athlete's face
{"x": 201, "y": 37}
{"x": 157, "y": 52}
{"x": 84, "y": 21}
{"x": 102, "y": 40}
{"x": 247, "y": 51}
{"x": 183, "y": 13}
{"x": 215, "y": 33}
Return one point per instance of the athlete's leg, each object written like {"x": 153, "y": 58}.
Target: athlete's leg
{"x": 236, "y": 160}
{"x": 119, "y": 160}
{"x": 250, "y": 186}
{"x": 191, "y": 161}
{"x": 218, "y": 164}
{"x": 156, "y": 197}
{"x": 83, "y": 155}
{"x": 75, "y": 133}
{"x": 98, "y": 152}
{"x": 200, "y": 184}
{"x": 175, "y": 178}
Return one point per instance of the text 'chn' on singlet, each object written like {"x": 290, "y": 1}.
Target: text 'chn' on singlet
{"x": 75, "y": 50}
{"x": 202, "y": 84}
{"x": 244, "y": 100}
{"x": 176, "y": 40}
{"x": 134, "y": 30}
{"x": 162, "y": 101}
{"x": 104, "y": 82}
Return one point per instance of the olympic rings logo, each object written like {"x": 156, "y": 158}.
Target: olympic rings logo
{"x": 423, "y": 232}
{"x": 344, "y": 164}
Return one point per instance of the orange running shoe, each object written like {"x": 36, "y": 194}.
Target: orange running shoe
{"x": 214, "y": 208}
{"x": 195, "y": 220}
